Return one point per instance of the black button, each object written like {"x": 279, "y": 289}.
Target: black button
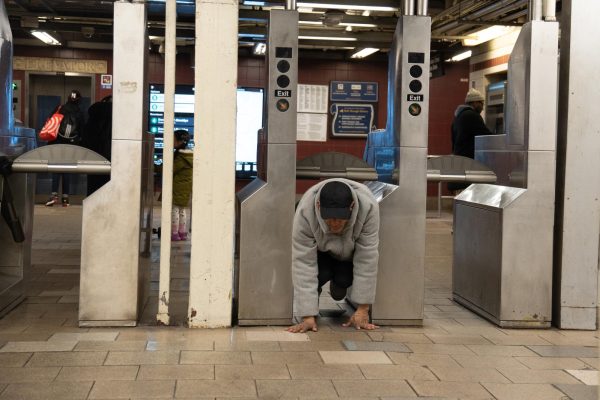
{"x": 415, "y": 86}
{"x": 416, "y": 71}
{"x": 283, "y": 66}
{"x": 283, "y": 81}
{"x": 414, "y": 109}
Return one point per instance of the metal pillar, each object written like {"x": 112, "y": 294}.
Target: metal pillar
{"x": 116, "y": 218}
{"x": 266, "y": 206}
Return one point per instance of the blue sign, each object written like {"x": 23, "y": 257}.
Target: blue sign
{"x": 351, "y": 119}
{"x": 354, "y": 91}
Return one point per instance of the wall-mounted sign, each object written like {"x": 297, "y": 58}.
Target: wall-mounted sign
{"x": 351, "y": 120}
{"x": 354, "y": 91}
{"x": 106, "y": 81}
{"x": 60, "y": 65}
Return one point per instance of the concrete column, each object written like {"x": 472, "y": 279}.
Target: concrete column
{"x": 578, "y": 169}
{"x": 213, "y": 218}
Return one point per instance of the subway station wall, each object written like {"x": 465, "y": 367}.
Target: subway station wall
{"x": 446, "y": 92}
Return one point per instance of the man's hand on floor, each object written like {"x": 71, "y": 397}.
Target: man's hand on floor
{"x": 307, "y": 324}
{"x": 360, "y": 319}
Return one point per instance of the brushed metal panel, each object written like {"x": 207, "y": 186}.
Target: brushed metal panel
{"x": 476, "y": 269}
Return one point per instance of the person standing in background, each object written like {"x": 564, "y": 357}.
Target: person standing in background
{"x": 69, "y": 132}
{"x": 183, "y": 164}
{"x": 97, "y": 136}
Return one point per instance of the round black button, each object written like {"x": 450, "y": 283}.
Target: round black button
{"x": 283, "y": 66}
{"x": 415, "y": 86}
{"x": 414, "y": 109}
{"x": 282, "y": 105}
{"x": 283, "y": 81}
{"x": 416, "y": 71}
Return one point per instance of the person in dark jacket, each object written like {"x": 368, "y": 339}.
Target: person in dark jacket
{"x": 466, "y": 125}
{"x": 97, "y": 136}
{"x": 69, "y": 132}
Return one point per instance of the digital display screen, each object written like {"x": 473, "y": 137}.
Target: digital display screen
{"x": 250, "y": 102}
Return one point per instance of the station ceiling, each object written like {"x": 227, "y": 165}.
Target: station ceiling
{"x": 343, "y": 26}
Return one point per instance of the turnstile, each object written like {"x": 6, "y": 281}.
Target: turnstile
{"x": 503, "y": 241}
{"x": 399, "y": 154}
{"x": 263, "y": 276}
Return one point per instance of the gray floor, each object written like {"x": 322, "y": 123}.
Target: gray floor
{"x": 455, "y": 355}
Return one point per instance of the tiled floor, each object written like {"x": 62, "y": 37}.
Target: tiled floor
{"x": 455, "y": 355}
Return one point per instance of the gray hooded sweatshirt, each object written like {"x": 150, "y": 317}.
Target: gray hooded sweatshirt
{"x": 358, "y": 242}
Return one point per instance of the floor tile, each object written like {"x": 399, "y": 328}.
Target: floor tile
{"x": 439, "y": 348}
{"x": 286, "y": 357}
{"x": 458, "y": 339}
{"x": 580, "y": 392}
{"x": 14, "y": 359}
{"x": 537, "y": 376}
{"x": 524, "y": 391}
{"x": 109, "y": 373}
{"x": 142, "y": 357}
{"x": 215, "y": 357}
{"x": 57, "y": 359}
{"x": 587, "y": 377}
{"x": 516, "y": 340}
{"x": 346, "y": 334}
{"x": 312, "y": 346}
{"x": 375, "y": 346}
{"x": 181, "y": 344}
{"x": 469, "y": 375}
{"x": 34, "y": 347}
{"x": 504, "y": 351}
{"x": 266, "y": 371}
{"x": 244, "y": 345}
{"x": 423, "y": 360}
{"x": 560, "y": 339}
{"x": 87, "y": 336}
{"x": 175, "y": 372}
{"x": 277, "y": 336}
{"x": 397, "y": 372}
{"x": 306, "y": 371}
{"x": 132, "y": 389}
{"x": 566, "y": 351}
{"x": 287, "y": 389}
{"x": 217, "y": 388}
{"x": 119, "y": 345}
{"x": 460, "y": 390}
{"x": 19, "y": 375}
{"x": 593, "y": 362}
{"x": 68, "y": 299}
{"x": 47, "y": 391}
{"x": 468, "y": 361}
{"x": 354, "y": 357}
{"x": 551, "y": 362}
{"x": 381, "y": 387}
{"x": 400, "y": 337}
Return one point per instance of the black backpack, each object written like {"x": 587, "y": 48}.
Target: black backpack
{"x": 69, "y": 127}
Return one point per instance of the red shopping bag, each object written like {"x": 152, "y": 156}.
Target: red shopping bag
{"x": 50, "y": 129}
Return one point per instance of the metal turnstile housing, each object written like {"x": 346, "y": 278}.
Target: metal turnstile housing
{"x": 503, "y": 239}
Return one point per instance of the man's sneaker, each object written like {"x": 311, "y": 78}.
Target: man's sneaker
{"x": 52, "y": 201}
{"x": 65, "y": 202}
{"x": 175, "y": 237}
{"x": 337, "y": 292}
{"x": 182, "y": 236}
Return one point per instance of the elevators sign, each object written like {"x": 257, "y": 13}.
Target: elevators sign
{"x": 351, "y": 120}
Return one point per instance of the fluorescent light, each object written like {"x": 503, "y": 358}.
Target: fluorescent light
{"x": 340, "y": 38}
{"x": 252, "y": 35}
{"x": 367, "y": 51}
{"x": 346, "y": 6}
{"x": 461, "y": 56}
{"x": 487, "y": 34}
{"x": 341, "y": 24}
{"x": 254, "y": 3}
{"x": 46, "y": 38}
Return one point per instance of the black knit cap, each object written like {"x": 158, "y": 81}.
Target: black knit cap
{"x": 335, "y": 200}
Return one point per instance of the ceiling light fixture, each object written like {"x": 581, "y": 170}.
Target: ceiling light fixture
{"x": 487, "y": 34}
{"x": 362, "y": 53}
{"x": 340, "y": 38}
{"x": 461, "y": 56}
{"x": 345, "y": 6}
{"x": 46, "y": 38}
